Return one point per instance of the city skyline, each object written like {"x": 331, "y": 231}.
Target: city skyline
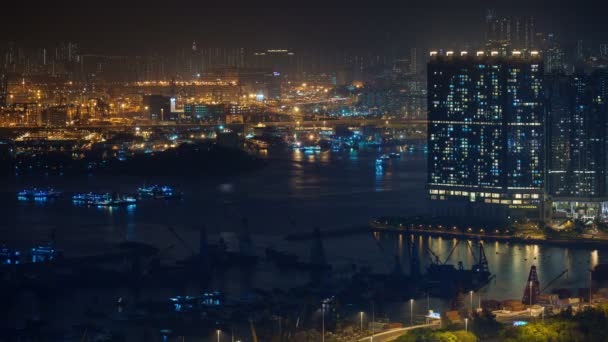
{"x": 176, "y": 172}
{"x": 162, "y": 28}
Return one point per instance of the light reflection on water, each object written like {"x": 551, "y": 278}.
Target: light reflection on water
{"x": 509, "y": 262}
{"x": 295, "y": 192}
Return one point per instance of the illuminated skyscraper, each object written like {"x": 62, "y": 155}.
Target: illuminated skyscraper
{"x": 577, "y": 134}
{"x": 485, "y": 132}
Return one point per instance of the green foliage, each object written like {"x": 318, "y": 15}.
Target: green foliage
{"x": 428, "y": 335}
{"x": 588, "y": 325}
{"x": 484, "y": 324}
{"x": 555, "y": 331}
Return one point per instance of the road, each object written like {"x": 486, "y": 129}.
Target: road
{"x": 391, "y": 335}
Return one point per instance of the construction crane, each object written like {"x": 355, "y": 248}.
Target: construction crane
{"x": 553, "y": 280}
{"x": 451, "y": 252}
{"x": 179, "y": 238}
{"x": 433, "y": 255}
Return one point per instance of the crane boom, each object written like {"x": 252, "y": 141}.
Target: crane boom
{"x": 179, "y": 238}
{"x": 451, "y": 251}
{"x": 553, "y": 280}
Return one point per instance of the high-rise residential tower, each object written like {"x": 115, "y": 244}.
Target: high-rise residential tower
{"x": 486, "y": 133}
{"x": 577, "y": 134}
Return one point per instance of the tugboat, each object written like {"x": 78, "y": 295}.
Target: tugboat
{"x": 104, "y": 200}
{"x": 157, "y": 191}
{"x": 37, "y": 194}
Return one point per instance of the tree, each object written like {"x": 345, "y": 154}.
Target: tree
{"x": 555, "y": 331}
{"x": 484, "y": 324}
{"x": 428, "y": 335}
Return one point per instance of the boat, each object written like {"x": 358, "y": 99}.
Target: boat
{"x": 45, "y": 253}
{"x": 384, "y": 157}
{"x": 394, "y": 155}
{"x": 104, "y": 199}
{"x": 9, "y": 256}
{"x": 310, "y": 148}
{"x": 158, "y": 191}
{"x": 37, "y": 194}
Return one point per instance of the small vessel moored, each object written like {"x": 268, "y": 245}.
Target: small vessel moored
{"x": 104, "y": 199}
{"x": 37, "y": 194}
{"x": 9, "y": 256}
{"x": 158, "y": 191}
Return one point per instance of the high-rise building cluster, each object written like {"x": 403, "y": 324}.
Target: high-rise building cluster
{"x": 517, "y": 32}
{"x": 506, "y": 140}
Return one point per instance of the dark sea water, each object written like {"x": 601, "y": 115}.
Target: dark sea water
{"x": 295, "y": 192}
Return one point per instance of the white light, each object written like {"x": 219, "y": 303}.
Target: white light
{"x": 463, "y": 53}
{"x": 433, "y": 53}
{"x": 494, "y": 53}
{"x": 516, "y": 53}
{"x": 449, "y": 53}
{"x": 480, "y": 53}
{"x": 534, "y": 53}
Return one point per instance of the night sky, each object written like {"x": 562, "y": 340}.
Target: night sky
{"x": 156, "y": 26}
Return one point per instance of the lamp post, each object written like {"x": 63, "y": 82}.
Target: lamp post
{"x": 323, "y": 323}
{"x": 373, "y": 319}
{"x": 543, "y": 313}
{"x": 590, "y": 284}
{"x": 411, "y": 311}
{"x": 471, "y": 295}
{"x": 361, "y": 315}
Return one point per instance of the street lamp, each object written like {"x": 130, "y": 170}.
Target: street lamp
{"x": 411, "y": 311}
{"x": 361, "y": 315}
{"x": 543, "y": 313}
{"x": 373, "y": 319}
{"x": 323, "y": 323}
{"x": 590, "y": 284}
{"x": 466, "y": 324}
{"x": 471, "y": 293}
{"x": 218, "y": 331}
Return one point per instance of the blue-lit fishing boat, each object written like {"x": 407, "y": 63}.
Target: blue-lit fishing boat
{"x": 37, "y": 194}
{"x": 9, "y": 256}
{"x": 158, "y": 191}
{"x": 104, "y": 199}
{"x": 45, "y": 253}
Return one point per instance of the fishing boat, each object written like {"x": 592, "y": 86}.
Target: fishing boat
{"x": 104, "y": 199}
{"x": 37, "y": 194}
{"x": 158, "y": 191}
{"x": 9, "y": 256}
